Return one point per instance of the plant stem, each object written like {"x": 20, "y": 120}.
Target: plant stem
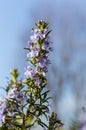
{"x": 23, "y": 125}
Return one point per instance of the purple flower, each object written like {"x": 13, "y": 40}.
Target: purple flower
{"x": 46, "y": 44}
{"x": 11, "y": 105}
{"x": 30, "y": 44}
{"x": 38, "y": 54}
{"x": 35, "y": 37}
{"x": 29, "y": 72}
{"x": 44, "y": 61}
{"x": 37, "y": 81}
{"x": 33, "y": 53}
{"x": 11, "y": 93}
{"x": 38, "y": 33}
{"x": 3, "y": 107}
{"x": 15, "y": 94}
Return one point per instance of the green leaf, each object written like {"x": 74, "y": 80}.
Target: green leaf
{"x": 27, "y": 48}
{"x": 18, "y": 125}
{"x": 45, "y": 92}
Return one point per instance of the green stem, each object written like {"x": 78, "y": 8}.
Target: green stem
{"x": 23, "y": 125}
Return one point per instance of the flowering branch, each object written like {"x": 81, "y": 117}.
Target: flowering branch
{"x": 27, "y": 101}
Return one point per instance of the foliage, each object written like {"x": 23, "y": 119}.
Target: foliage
{"x": 27, "y": 100}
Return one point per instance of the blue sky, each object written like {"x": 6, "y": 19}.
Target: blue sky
{"x": 14, "y": 19}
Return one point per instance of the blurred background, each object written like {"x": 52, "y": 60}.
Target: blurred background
{"x": 67, "y": 73}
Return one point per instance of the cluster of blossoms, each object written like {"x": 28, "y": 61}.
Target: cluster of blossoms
{"x": 11, "y": 105}
{"x": 15, "y": 94}
{"x": 27, "y": 101}
{"x": 38, "y": 61}
{"x": 2, "y": 112}
{"x": 38, "y": 53}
